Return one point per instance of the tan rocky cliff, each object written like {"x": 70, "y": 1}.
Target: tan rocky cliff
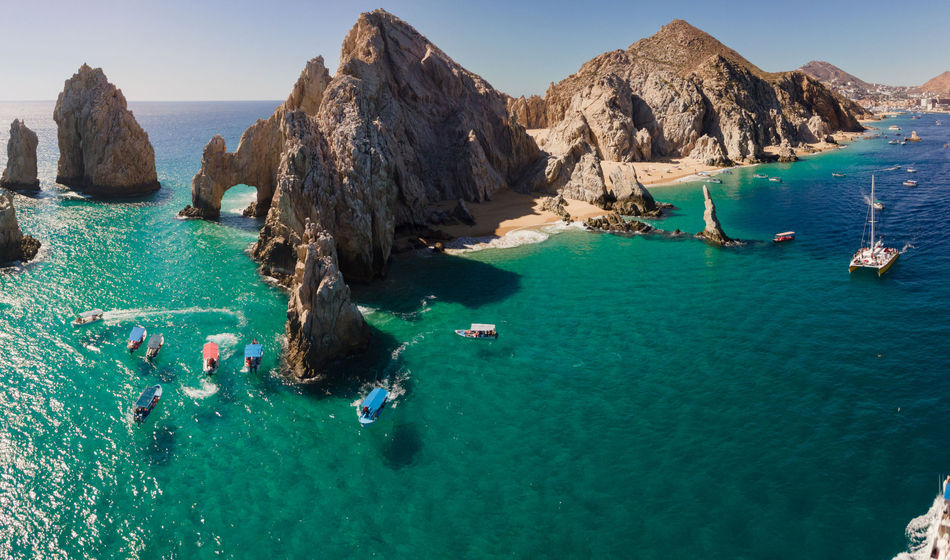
{"x": 680, "y": 92}
{"x": 14, "y": 246}
{"x": 399, "y": 127}
{"x": 102, "y": 149}
{"x": 20, "y": 172}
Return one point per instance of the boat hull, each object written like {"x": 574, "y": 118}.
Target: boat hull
{"x": 465, "y": 334}
{"x": 879, "y": 268}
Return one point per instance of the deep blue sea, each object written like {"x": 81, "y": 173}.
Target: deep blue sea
{"x": 648, "y": 397}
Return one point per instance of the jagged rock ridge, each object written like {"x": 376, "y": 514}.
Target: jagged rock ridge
{"x": 833, "y": 76}
{"x": 102, "y": 149}
{"x": 20, "y": 172}
{"x": 14, "y": 246}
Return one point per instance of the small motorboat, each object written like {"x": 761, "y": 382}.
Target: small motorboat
{"x": 761, "y": 176}
{"x": 878, "y": 205}
{"x": 253, "y": 354}
{"x": 87, "y": 317}
{"x": 154, "y": 345}
{"x": 136, "y": 338}
{"x": 893, "y": 127}
{"x": 775, "y": 179}
{"x": 372, "y": 405}
{"x": 479, "y": 330}
{"x": 909, "y": 183}
{"x": 893, "y": 142}
{"x": 903, "y": 142}
{"x": 838, "y": 175}
{"x": 209, "y": 358}
{"x": 146, "y": 402}
{"x": 911, "y": 170}
{"x": 703, "y": 173}
{"x": 714, "y": 180}
{"x": 784, "y": 236}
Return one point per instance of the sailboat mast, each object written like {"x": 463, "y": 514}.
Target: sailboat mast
{"x": 872, "y": 213}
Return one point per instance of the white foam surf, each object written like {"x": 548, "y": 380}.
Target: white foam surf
{"x": 921, "y": 531}
{"x": 206, "y": 390}
{"x": 119, "y": 315}
{"x": 226, "y": 342}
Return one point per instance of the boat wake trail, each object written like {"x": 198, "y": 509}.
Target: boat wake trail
{"x": 118, "y": 315}
{"x": 206, "y": 390}
{"x": 226, "y": 342}
{"x": 920, "y": 532}
{"x": 906, "y": 247}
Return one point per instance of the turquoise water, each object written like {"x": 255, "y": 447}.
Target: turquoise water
{"x": 647, "y": 397}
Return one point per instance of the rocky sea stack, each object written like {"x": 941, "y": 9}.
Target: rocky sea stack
{"x": 102, "y": 149}
{"x": 14, "y": 246}
{"x": 20, "y": 172}
{"x": 713, "y": 233}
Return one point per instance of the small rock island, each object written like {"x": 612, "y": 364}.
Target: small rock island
{"x": 20, "y": 172}
{"x": 14, "y": 246}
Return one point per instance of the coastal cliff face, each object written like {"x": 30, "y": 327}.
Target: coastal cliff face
{"x": 20, "y": 172}
{"x": 399, "y": 127}
{"x": 683, "y": 93}
{"x": 14, "y": 246}
{"x": 102, "y": 149}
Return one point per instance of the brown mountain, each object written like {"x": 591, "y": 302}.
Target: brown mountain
{"x": 831, "y": 75}
{"x": 939, "y": 85}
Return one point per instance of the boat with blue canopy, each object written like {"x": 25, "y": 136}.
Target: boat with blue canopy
{"x": 253, "y": 354}
{"x": 372, "y": 405}
{"x": 87, "y": 317}
{"x": 147, "y": 401}
{"x": 209, "y": 358}
{"x": 136, "y": 338}
{"x": 479, "y": 330}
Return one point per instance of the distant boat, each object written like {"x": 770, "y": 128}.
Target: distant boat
{"x": 479, "y": 330}
{"x": 909, "y": 183}
{"x": 893, "y": 142}
{"x": 136, "y": 338}
{"x": 938, "y": 123}
{"x": 154, "y": 345}
{"x": 838, "y": 175}
{"x": 761, "y": 176}
{"x": 874, "y": 255}
{"x": 87, "y": 317}
{"x": 146, "y": 402}
{"x": 903, "y": 142}
{"x": 372, "y": 405}
{"x": 775, "y": 179}
{"x": 703, "y": 174}
{"x": 209, "y": 358}
{"x": 911, "y": 170}
{"x": 878, "y": 205}
{"x": 253, "y": 354}
{"x": 714, "y": 180}
{"x": 893, "y": 127}
{"x": 784, "y": 236}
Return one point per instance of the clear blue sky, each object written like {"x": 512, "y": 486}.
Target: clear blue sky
{"x": 200, "y": 50}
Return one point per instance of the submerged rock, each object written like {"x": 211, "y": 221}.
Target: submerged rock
{"x": 102, "y": 149}
{"x": 713, "y": 233}
{"x": 14, "y": 246}
{"x": 20, "y": 172}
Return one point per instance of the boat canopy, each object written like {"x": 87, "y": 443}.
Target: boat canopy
{"x": 210, "y": 350}
{"x": 91, "y": 313}
{"x": 946, "y": 492}
{"x": 156, "y": 341}
{"x": 138, "y": 333}
{"x": 254, "y": 351}
{"x": 482, "y": 327}
{"x": 786, "y": 233}
{"x": 147, "y": 395}
{"x": 375, "y": 399}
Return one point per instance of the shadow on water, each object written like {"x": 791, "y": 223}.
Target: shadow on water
{"x": 414, "y": 279}
{"x": 345, "y": 377}
{"x": 402, "y": 448}
{"x": 161, "y": 445}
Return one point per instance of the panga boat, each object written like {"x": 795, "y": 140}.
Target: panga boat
{"x": 893, "y": 127}
{"x": 940, "y": 545}
{"x": 837, "y": 174}
{"x": 147, "y": 402}
{"x": 874, "y": 255}
{"x": 761, "y": 176}
{"x": 372, "y": 405}
{"x": 253, "y": 354}
{"x": 136, "y": 338}
{"x": 87, "y": 317}
{"x": 893, "y": 142}
{"x": 154, "y": 345}
{"x": 479, "y": 330}
{"x": 775, "y": 179}
{"x": 909, "y": 183}
{"x": 784, "y": 236}
{"x": 878, "y": 205}
{"x": 209, "y": 358}
{"x": 714, "y": 180}
{"x": 912, "y": 170}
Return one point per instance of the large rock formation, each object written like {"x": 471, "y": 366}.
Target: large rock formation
{"x": 14, "y": 246}
{"x": 713, "y": 233}
{"x": 678, "y": 93}
{"x": 102, "y": 149}
{"x": 399, "y": 127}
{"x": 20, "y": 172}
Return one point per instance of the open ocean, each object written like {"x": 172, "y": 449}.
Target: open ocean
{"x": 647, "y": 397}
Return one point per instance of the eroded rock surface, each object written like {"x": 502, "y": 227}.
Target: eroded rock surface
{"x": 713, "y": 234}
{"x": 20, "y": 172}
{"x": 102, "y": 149}
{"x": 14, "y": 246}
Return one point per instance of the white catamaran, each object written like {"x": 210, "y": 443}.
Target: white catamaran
{"x": 874, "y": 255}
